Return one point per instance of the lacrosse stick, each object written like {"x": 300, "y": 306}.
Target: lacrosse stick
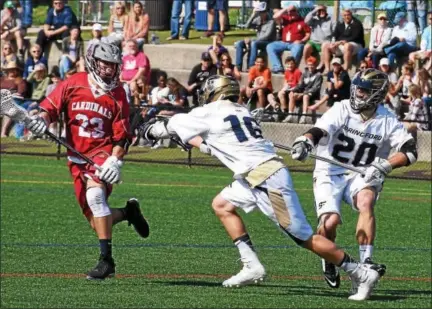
{"x": 9, "y": 108}
{"x": 340, "y": 164}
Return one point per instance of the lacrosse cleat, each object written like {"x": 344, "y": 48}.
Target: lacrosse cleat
{"x": 134, "y": 217}
{"x": 252, "y": 273}
{"x": 331, "y": 274}
{"x": 364, "y": 278}
{"x": 104, "y": 269}
{"x": 380, "y": 268}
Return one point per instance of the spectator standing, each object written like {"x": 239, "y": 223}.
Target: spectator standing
{"x": 379, "y": 38}
{"x": 73, "y": 52}
{"x": 27, "y": 13}
{"x": 417, "y": 8}
{"x": 199, "y": 74}
{"x": 34, "y": 58}
{"x": 266, "y": 33}
{"x": 60, "y": 19}
{"x": 7, "y": 54}
{"x": 138, "y": 24}
{"x": 348, "y": 40}
{"x": 338, "y": 86}
{"x": 425, "y": 52}
{"x": 306, "y": 91}
{"x": 117, "y": 23}
{"x": 322, "y": 28}
{"x": 222, "y": 7}
{"x": 227, "y": 68}
{"x": 259, "y": 82}
{"x": 11, "y": 28}
{"x": 403, "y": 40}
{"x": 295, "y": 34}
{"x": 175, "y": 19}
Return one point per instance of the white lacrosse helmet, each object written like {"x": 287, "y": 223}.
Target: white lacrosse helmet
{"x": 107, "y": 53}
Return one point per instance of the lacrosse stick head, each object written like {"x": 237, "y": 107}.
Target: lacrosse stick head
{"x": 9, "y": 108}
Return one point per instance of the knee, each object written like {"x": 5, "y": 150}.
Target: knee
{"x": 365, "y": 204}
{"x": 220, "y": 206}
{"x": 269, "y": 48}
{"x": 328, "y": 223}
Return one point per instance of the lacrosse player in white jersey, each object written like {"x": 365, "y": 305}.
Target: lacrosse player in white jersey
{"x": 359, "y": 131}
{"x": 227, "y": 131}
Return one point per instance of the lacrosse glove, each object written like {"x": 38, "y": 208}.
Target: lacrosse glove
{"x": 377, "y": 171}
{"x": 37, "y": 125}
{"x": 110, "y": 170}
{"x": 301, "y": 148}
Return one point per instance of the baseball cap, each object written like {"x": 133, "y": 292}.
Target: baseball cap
{"x": 384, "y": 61}
{"x": 97, "y": 27}
{"x": 206, "y": 56}
{"x": 398, "y": 17}
{"x": 336, "y": 60}
{"x": 382, "y": 15}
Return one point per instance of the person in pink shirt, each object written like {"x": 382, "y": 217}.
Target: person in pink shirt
{"x": 135, "y": 64}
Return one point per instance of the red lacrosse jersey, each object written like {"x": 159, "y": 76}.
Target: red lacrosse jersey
{"x": 92, "y": 123}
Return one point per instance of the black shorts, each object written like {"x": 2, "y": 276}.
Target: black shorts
{"x": 219, "y": 5}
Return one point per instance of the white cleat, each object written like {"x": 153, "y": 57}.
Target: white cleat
{"x": 252, "y": 273}
{"x": 364, "y": 279}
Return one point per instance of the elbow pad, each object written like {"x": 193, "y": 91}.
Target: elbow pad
{"x": 410, "y": 150}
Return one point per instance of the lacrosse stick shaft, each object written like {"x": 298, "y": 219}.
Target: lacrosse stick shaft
{"x": 334, "y": 162}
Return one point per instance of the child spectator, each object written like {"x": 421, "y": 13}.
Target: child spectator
{"x": 11, "y": 27}
{"x": 225, "y": 67}
{"x": 259, "y": 82}
{"x": 34, "y": 58}
{"x": 199, "y": 74}
{"x": 338, "y": 86}
{"x": 159, "y": 94}
{"x": 55, "y": 80}
{"x": 423, "y": 79}
{"x": 403, "y": 83}
{"x": 363, "y": 65}
{"x": 217, "y": 49}
{"x": 417, "y": 111}
{"x": 178, "y": 95}
{"x": 7, "y": 54}
{"x": 292, "y": 78}
{"x": 307, "y": 90}
{"x": 140, "y": 92}
{"x": 384, "y": 66}
{"x": 138, "y": 24}
{"x": 73, "y": 52}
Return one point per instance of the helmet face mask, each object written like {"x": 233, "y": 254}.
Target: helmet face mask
{"x": 219, "y": 87}
{"x": 103, "y": 64}
{"x": 368, "y": 90}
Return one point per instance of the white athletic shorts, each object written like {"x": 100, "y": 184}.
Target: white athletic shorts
{"x": 276, "y": 198}
{"x": 330, "y": 191}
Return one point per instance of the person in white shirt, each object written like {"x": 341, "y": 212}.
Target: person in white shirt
{"x": 226, "y": 130}
{"x": 404, "y": 39}
{"x": 379, "y": 38}
{"x": 425, "y": 52}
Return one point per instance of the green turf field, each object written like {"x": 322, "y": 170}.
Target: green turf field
{"x": 47, "y": 246}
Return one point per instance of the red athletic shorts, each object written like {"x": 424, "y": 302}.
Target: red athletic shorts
{"x": 80, "y": 174}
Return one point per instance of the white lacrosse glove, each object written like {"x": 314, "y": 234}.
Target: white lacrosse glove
{"x": 204, "y": 148}
{"x": 37, "y": 125}
{"x": 378, "y": 169}
{"x": 110, "y": 172}
{"x": 301, "y": 148}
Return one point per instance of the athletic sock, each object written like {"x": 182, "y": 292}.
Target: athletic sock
{"x": 348, "y": 264}
{"x": 245, "y": 247}
{"x": 105, "y": 248}
{"x": 365, "y": 252}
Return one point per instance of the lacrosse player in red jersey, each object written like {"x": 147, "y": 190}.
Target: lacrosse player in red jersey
{"x": 97, "y": 125}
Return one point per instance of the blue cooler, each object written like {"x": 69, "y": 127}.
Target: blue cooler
{"x": 201, "y": 17}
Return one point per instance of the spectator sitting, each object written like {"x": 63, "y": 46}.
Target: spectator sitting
{"x": 96, "y": 34}
{"x": 226, "y": 67}
{"x": 266, "y": 33}
{"x": 401, "y": 89}
{"x": 307, "y": 90}
{"x": 16, "y": 85}
{"x": 363, "y": 65}
{"x": 135, "y": 65}
{"x": 217, "y": 49}
{"x": 39, "y": 81}
{"x": 348, "y": 40}
{"x": 117, "y": 23}
{"x": 60, "y": 19}
{"x": 138, "y": 24}
{"x": 423, "y": 79}
{"x": 11, "y": 28}
{"x": 295, "y": 34}
{"x": 7, "y": 54}
{"x": 403, "y": 41}
{"x": 322, "y": 27}
{"x": 140, "y": 93}
{"x": 425, "y": 52}
{"x": 159, "y": 94}
{"x": 199, "y": 74}
{"x": 34, "y": 58}
{"x": 259, "y": 82}
{"x": 212, "y": 6}
{"x": 379, "y": 38}
{"x": 175, "y": 19}
{"x": 73, "y": 52}
{"x": 384, "y": 66}
{"x": 417, "y": 111}
{"x": 178, "y": 95}
{"x": 292, "y": 78}
{"x": 55, "y": 80}
{"x": 338, "y": 86}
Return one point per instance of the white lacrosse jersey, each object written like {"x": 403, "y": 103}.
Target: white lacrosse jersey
{"x": 353, "y": 141}
{"x": 230, "y": 131}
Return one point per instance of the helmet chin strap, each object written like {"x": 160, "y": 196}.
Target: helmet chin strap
{"x": 96, "y": 90}
{"x": 367, "y": 114}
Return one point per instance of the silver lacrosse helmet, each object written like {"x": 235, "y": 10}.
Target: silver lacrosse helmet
{"x": 219, "y": 87}
{"x": 368, "y": 90}
{"x": 98, "y": 54}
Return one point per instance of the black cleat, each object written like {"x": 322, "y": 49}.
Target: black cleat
{"x": 135, "y": 218}
{"x": 379, "y": 268}
{"x": 331, "y": 274}
{"x": 104, "y": 269}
